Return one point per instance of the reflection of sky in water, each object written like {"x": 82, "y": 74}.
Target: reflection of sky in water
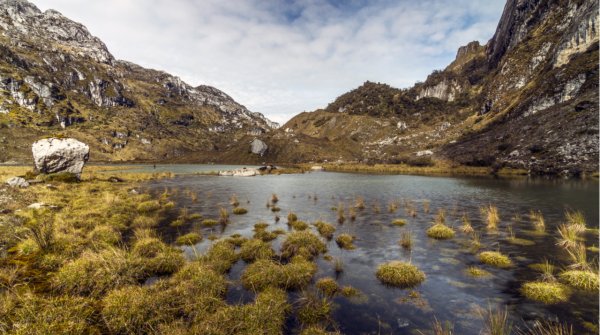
{"x": 448, "y": 293}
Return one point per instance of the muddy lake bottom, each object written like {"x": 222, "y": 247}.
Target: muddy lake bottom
{"x": 448, "y": 293}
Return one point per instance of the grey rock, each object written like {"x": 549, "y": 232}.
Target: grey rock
{"x": 258, "y": 147}
{"x": 54, "y": 155}
{"x": 17, "y": 182}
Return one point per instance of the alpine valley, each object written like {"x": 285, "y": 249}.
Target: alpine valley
{"x": 527, "y": 99}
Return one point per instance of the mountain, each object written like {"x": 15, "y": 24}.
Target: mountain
{"x": 527, "y": 99}
{"x": 58, "y": 79}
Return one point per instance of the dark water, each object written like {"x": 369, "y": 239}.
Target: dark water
{"x": 448, "y": 293}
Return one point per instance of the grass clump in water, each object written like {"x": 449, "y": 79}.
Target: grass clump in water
{"x": 537, "y": 219}
{"x": 495, "y": 258}
{"x": 400, "y": 274}
{"x": 440, "y": 231}
{"x": 406, "y": 240}
{"x": 254, "y": 249}
{"x": 466, "y": 227}
{"x": 188, "y": 239}
{"x": 496, "y": 321}
{"x": 546, "y": 292}
{"x": 325, "y": 229}
{"x": 298, "y": 225}
{"x": 209, "y": 222}
{"x": 547, "y": 328}
{"x": 491, "y": 216}
{"x": 291, "y": 217}
{"x": 220, "y": 257}
{"x": 344, "y": 241}
{"x": 302, "y": 243}
{"x": 327, "y": 286}
{"x": 239, "y": 211}
{"x": 265, "y": 273}
{"x": 149, "y": 206}
{"x": 312, "y": 309}
{"x": 581, "y": 279}
{"x": 398, "y": 222}
{"x": 474, "y": 271}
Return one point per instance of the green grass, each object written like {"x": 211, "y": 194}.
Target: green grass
{"x": 546, "y": 292}
{"x": 440, "y": 232}
{"x": 400, "y": 274}
{"x": 495, "y": 259}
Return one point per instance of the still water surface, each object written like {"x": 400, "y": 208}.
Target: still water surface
{"x": 448, "y": 292}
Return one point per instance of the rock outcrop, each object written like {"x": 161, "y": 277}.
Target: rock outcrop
{"x": 17, "y": 182}
{"x": 54, "y": 155}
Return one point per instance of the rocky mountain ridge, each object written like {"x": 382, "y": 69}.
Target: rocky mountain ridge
{"x": 55, "y": 77}
{"x": 527, "y": 99}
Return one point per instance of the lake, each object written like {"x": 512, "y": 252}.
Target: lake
{"x": 448, "y": 293}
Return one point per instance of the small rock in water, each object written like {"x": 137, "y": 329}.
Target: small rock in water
{"x": 17, "y": 182}
{"x": 403, "y": 323}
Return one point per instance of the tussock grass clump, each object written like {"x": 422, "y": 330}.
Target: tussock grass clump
{"x": 188, "y": 239}
{"x": 440, "y": 217}
{"x": 29, "y": 313}
{"x": 223, "y": 216}
{"x": 495, "y": 258}
{"x": 578, "y": 255}
{"x": 406, "y": 240}
{"x": 317, "y": 330}
{"x": 466, "y": 227}
{"x": 426, "y": 205}
{"x": 265, "y": 316}
{"x": 344, "y": 241}
{"x": 440, "y": 231}
{"x": 233, "y": 200}
{"x": 537, "y": 219}
{"x": 298, "y": 225}
{"x": 547, "y": 328}
{"x": 104, "y": 236}
{"x": 275, "y": 209}
{"x": 327, "y": 286}
{"x": 581, "y": 279}
{"x": 439, "y": 328}
{"x": 156, "y": 256}
{"x": 340, "y": 213}
{"x": 252, "y": 250}
{"x": 398, "y": 222}
{"x": 266, "y": 273}
{"x": 95, "y": 273}
{"x": 302, "y": 243}
{"x": 359, "y": 203}
{"x": 148, "y": 206}
{"x": 568, "y": 236}
{"x": 496, "y": 321}
{"x": 239, "y": 211}
{"x": 291, "y": 217}
{"x": 312, "y": 309}
{"x": 236, "y": 240}
{"x": 349, "y": 291}
{"x": 220, "y": 257}
{"x": 274, "y": 198}
{"x": 400, "y": 274}
{"x": 546, "y": 292}
{"x": 325, "y": 229}
{"x": 474, "y": 271}
{"x": 576, "y": 220}
{"x": 209, "y": 222}
{"x": 491, "y": 216}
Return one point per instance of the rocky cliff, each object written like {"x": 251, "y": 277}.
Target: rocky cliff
{"x": 56, "y": 78}
{"x": 527, "y": 99}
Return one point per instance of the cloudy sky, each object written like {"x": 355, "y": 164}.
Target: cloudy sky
{"x": 282, "y": 57}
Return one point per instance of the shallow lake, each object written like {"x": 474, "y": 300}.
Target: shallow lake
{"x": 448, "y": 293}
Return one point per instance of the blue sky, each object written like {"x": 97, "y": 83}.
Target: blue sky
{"x": 282, "y": 57}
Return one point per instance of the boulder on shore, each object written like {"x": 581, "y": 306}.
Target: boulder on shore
{"x": 17, "y": 182}
{"x": 244, "y": 172}
{"x": 53, "y": 155}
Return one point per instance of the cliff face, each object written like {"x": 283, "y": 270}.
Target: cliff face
{"x": 527, "y": 99}
{"x": 55, "y": 77}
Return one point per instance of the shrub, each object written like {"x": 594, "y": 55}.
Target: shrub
{"x": 400, "y": 274}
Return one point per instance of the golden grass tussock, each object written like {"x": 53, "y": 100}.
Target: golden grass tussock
{"x": 345, "y": 241}
{"x": 546, "y": 292}
{"x": 495, "y": 259}
{"x": 325, "y": 229}
{"x": 302, "y": 243}
{"x": 400, "y": 274}
{"x": 440, "y": 232}
{"x": 490, "y": 216}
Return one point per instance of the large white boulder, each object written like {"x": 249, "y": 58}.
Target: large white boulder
{"x": 258, "y": 147}
{"x": 52, "y": 155}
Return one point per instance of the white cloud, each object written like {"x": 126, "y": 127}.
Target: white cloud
{"x": 283, "y": 57}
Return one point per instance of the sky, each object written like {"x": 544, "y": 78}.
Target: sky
{"x": 283, "y": 57}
